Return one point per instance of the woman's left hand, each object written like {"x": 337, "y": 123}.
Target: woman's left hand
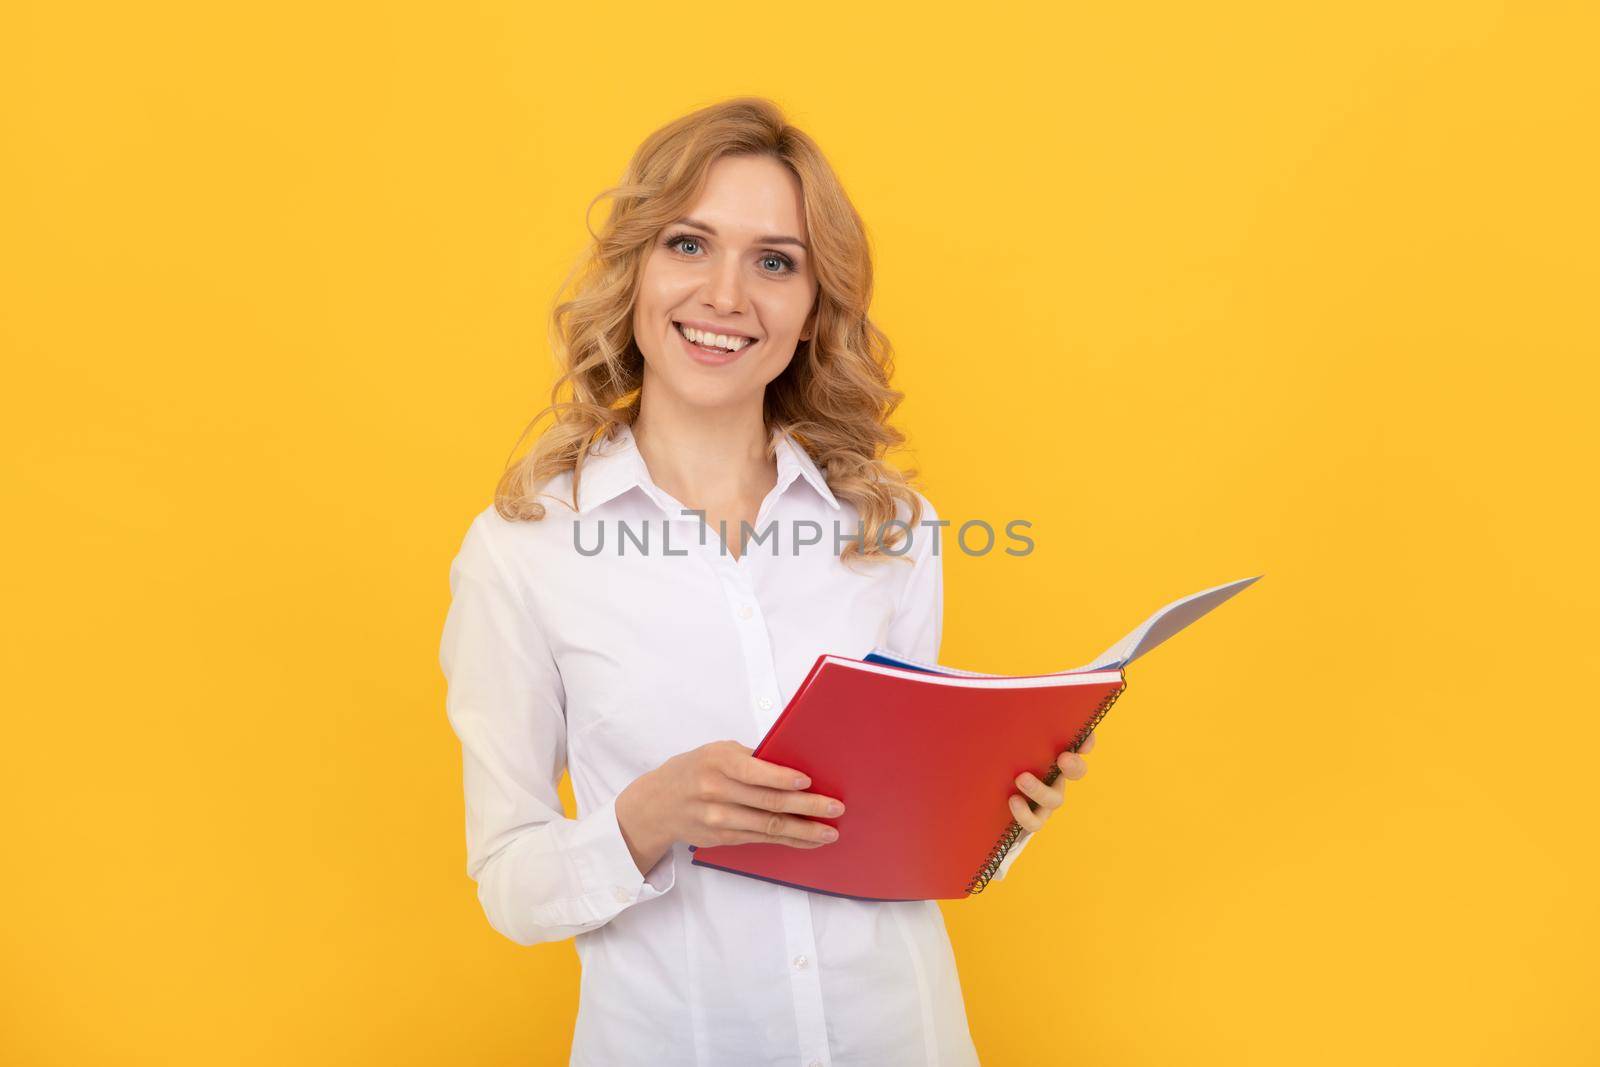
{"x": 1048, "y": 797}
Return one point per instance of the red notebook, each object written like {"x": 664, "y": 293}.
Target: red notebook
{"x": 925, "y": 759}
{"x": 924, "y": 764}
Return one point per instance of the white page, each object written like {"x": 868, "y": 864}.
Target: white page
{"x": 1163, "y": 624}
{"x": 1147, "y": 635}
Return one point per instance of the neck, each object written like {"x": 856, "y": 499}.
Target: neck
{"x": 705, "y": 458}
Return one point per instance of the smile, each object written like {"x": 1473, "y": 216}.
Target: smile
{"x": 713, "y": 348}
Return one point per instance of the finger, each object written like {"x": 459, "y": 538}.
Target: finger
{"x": 751, "y": 837}
{"x": 1048, "y": 797}
{"x": 753, "y": 824}
{"x": 1073, "y": 766}
{"x": 1029, "y": 820}
{"x": 788, "y": 800}
{"x": 1088, "y": 744}
{"x": 753, "y": 771}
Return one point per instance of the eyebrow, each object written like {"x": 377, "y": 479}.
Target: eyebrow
{"x": 769, "y": 239}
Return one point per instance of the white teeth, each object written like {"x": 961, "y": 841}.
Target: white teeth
{"x": 713, "y": 340}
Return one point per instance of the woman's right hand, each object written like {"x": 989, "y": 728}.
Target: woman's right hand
{"x": 719, "y": 794}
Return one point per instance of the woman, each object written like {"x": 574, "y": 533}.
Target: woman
{"x": 697, "y": 525}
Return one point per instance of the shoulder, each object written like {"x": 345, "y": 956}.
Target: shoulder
{"x": 494, "y": 546}
{"x": 922, "y": 526}
{"x": 928, "y": 511}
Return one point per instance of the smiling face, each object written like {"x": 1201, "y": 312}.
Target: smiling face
{"x": 735, "y": 272}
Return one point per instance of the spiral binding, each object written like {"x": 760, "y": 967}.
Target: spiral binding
{"x": 1014, "y": 831}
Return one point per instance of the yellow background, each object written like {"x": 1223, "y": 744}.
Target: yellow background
{"x": 1202, "y": 292}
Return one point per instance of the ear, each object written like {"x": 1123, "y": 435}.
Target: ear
{"x": 810, "y": 326}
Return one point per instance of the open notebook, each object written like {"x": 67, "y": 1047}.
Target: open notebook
{"x": 924, "y": 758}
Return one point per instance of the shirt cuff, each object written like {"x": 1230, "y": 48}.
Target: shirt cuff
{"x": 610, "y": 865}
{"x": 1012, "y": 854}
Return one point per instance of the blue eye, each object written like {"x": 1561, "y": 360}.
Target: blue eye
{"x": 679, "y": 240}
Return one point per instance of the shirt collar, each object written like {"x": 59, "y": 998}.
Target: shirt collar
{"x": 615, "y": 465}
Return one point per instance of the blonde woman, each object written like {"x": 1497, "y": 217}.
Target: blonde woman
{"x": 706, "y": 513}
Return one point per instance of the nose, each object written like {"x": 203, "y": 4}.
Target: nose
{"x": 724, "y": 287}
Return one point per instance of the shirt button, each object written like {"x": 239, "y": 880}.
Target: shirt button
{"x": 764, "y": 703}
{"x": 800, "y": 963}
{"x": 744, "y": 611}
{"x": 621, "y": 894}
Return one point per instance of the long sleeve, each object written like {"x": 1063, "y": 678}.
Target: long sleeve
{"x": 540, "y": 876}
{"x": 917, "y": 628}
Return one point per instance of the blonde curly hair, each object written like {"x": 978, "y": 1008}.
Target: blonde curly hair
{"x": 834, "y": 397}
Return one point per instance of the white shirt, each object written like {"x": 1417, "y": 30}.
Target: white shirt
{"x": 608, "y": 665}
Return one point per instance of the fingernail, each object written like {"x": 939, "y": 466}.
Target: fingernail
{"x": 801, "y": 782}
{"x": 830, "y": 834}
{"x": 835, "y": 808}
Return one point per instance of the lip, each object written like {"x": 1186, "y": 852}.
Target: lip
{"x": 710, "y": 359}
{"x": 710, "y": 327}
